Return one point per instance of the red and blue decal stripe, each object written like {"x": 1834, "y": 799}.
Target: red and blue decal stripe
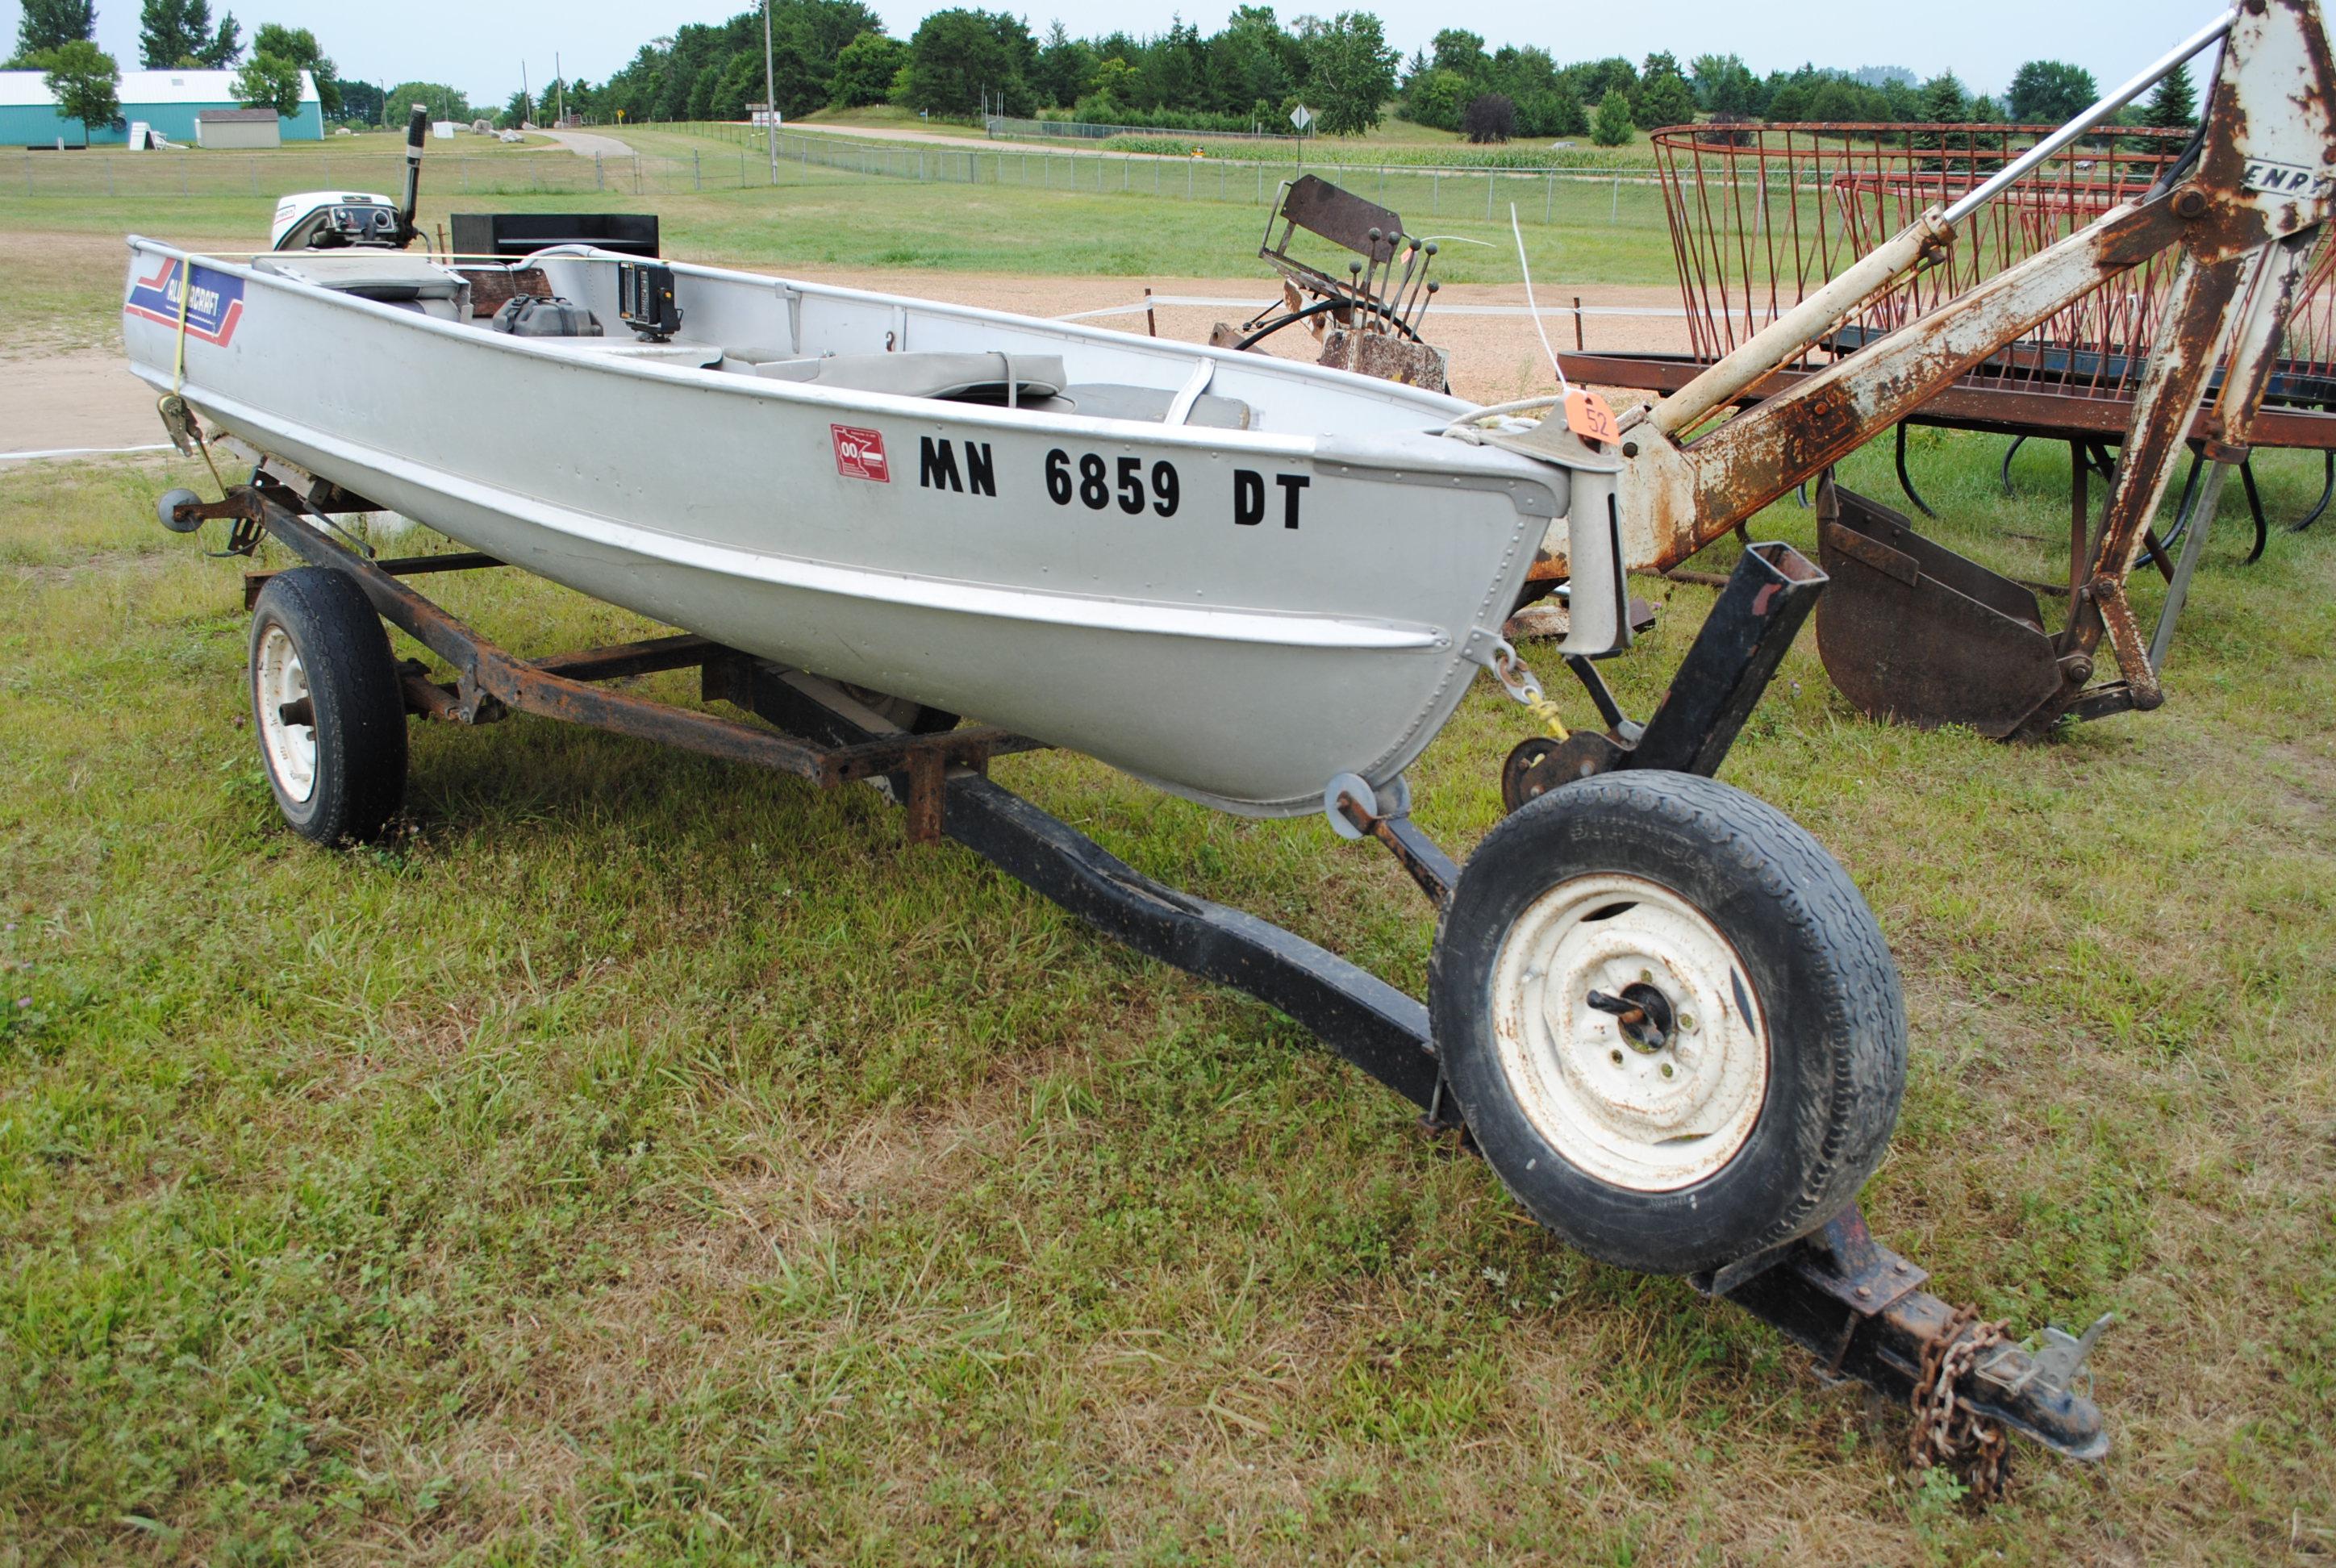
{"x": 213, "y": 307}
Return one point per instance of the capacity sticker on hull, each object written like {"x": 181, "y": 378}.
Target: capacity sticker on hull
{"x": 213, "y": 306}
{"x": 860, "y": 453}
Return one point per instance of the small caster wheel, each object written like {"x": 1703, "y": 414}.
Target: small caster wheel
{"x": 167, "y": 509}
{"x": 327, "y": 707}
{"x": 1670, "y": 1021}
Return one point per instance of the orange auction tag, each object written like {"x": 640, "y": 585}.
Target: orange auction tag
{"x": 1587, "y": 415}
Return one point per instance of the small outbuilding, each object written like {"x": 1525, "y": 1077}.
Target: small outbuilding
{"x": 238, "y": 128}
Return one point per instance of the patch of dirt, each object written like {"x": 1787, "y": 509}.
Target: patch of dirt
{"x": 84, "y": 397}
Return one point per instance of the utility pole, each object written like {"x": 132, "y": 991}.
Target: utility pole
{"x": 559, "y": 90}
{"x": 770, "y": 95}
{"x": 526, "y": 99}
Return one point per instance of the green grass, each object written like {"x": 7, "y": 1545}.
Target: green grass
{"x": 640, "y": 1159}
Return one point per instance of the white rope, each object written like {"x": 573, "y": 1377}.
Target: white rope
{"x": 1564, "y": 385}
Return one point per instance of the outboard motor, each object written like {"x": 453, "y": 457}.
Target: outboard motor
{"x": 418, "y": 125}
{"x": 345, "y": 219}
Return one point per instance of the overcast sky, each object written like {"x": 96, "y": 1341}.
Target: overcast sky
{"x": 1983, "y": 42}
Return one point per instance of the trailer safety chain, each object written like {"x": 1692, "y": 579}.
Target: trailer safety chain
{"x": 1947, "y": 1430}
{"x": 1525, "y": 688}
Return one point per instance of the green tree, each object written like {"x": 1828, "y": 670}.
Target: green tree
{"x": 225, "y": 45}
{"x": 2051, "y": 92}
{"x": 1349, "y": 71}
{"x": 1066, "y": 65}
{"x": 865, "y": 70}
{"x": 49, "y": 25}
{"x": 1611, "y": 126}
{"x": 2175, "y": 101}
{"x": 1460, "y": 51}
{"x": 172, "y": 33}
{"x": 270, "y": 82}
{"x": 1724, "y": 84}
{"x": 442, "y": 101}
{"x": 1665, "y": 99}
{"x": 1943, "y": 99}
{"x": 86, "y": 83}
{"x": 1252, "y": 63}
{"x": 519, "y": 111}
{"x": 740, "y": 83}
{"x": 1551, "y": 112}
{"x": 959, "y": 56}
{"x": 298, "y": 45}
{"x": 1437, "y": 97}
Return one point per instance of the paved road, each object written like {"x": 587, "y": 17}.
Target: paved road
{"x": 585, "y": 144}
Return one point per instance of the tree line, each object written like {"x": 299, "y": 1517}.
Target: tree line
{"x": 1253, "y": 70}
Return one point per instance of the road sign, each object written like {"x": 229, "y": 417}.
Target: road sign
{"x": 1301, "y": 117}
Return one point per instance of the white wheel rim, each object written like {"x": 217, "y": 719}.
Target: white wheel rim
{"x": 1660, "y": 1118}
{"x": 291, "y": 748}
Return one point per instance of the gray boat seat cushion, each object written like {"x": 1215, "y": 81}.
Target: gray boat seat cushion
{"x": 372, "y": 274}
{"x": 961, "y": 377}
{"x": 1110, "y": 400}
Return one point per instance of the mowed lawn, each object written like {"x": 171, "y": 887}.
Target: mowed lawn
{"x": 639, "y": 1158}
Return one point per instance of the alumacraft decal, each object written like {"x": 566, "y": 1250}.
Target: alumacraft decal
{"x": 213, "y": 308}
{"x": 860, "y": 453}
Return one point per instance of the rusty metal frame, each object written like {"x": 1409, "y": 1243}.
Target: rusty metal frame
{"x": 2241, "y": 230}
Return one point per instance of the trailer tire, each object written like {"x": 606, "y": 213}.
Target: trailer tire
{"x": 1673, "y": 1143}
{"x": 316, "y": 637}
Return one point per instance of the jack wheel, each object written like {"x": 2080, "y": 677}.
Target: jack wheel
{"x": 327, "y": 704}
{"x": 166, "y": 509}
{"x": 1670, "y": 1021}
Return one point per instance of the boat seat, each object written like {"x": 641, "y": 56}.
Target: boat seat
{"x": 959, "y": 377}
{"x": 1040, "y": 386}
{"x": 388, "y": 276}
{"x": 1110, "y": 400}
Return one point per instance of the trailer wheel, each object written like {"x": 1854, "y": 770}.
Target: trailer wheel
{"x": 326, "y": 703}
{"x": 1670, "y": 1019}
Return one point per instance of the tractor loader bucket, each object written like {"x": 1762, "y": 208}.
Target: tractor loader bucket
{"x": 1911, "y": 631}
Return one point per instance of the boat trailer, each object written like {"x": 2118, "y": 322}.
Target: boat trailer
{"x": 1859, "y": 1307}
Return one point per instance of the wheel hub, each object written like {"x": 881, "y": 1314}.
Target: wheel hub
{"x": 1628, "y": 1029}
{"x": 287, "y": 739}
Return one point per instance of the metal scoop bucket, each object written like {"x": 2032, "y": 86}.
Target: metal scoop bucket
{"x": 1911, "y": 631}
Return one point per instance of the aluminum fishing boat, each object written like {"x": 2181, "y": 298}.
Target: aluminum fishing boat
{"x": 1233, "y": 576}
